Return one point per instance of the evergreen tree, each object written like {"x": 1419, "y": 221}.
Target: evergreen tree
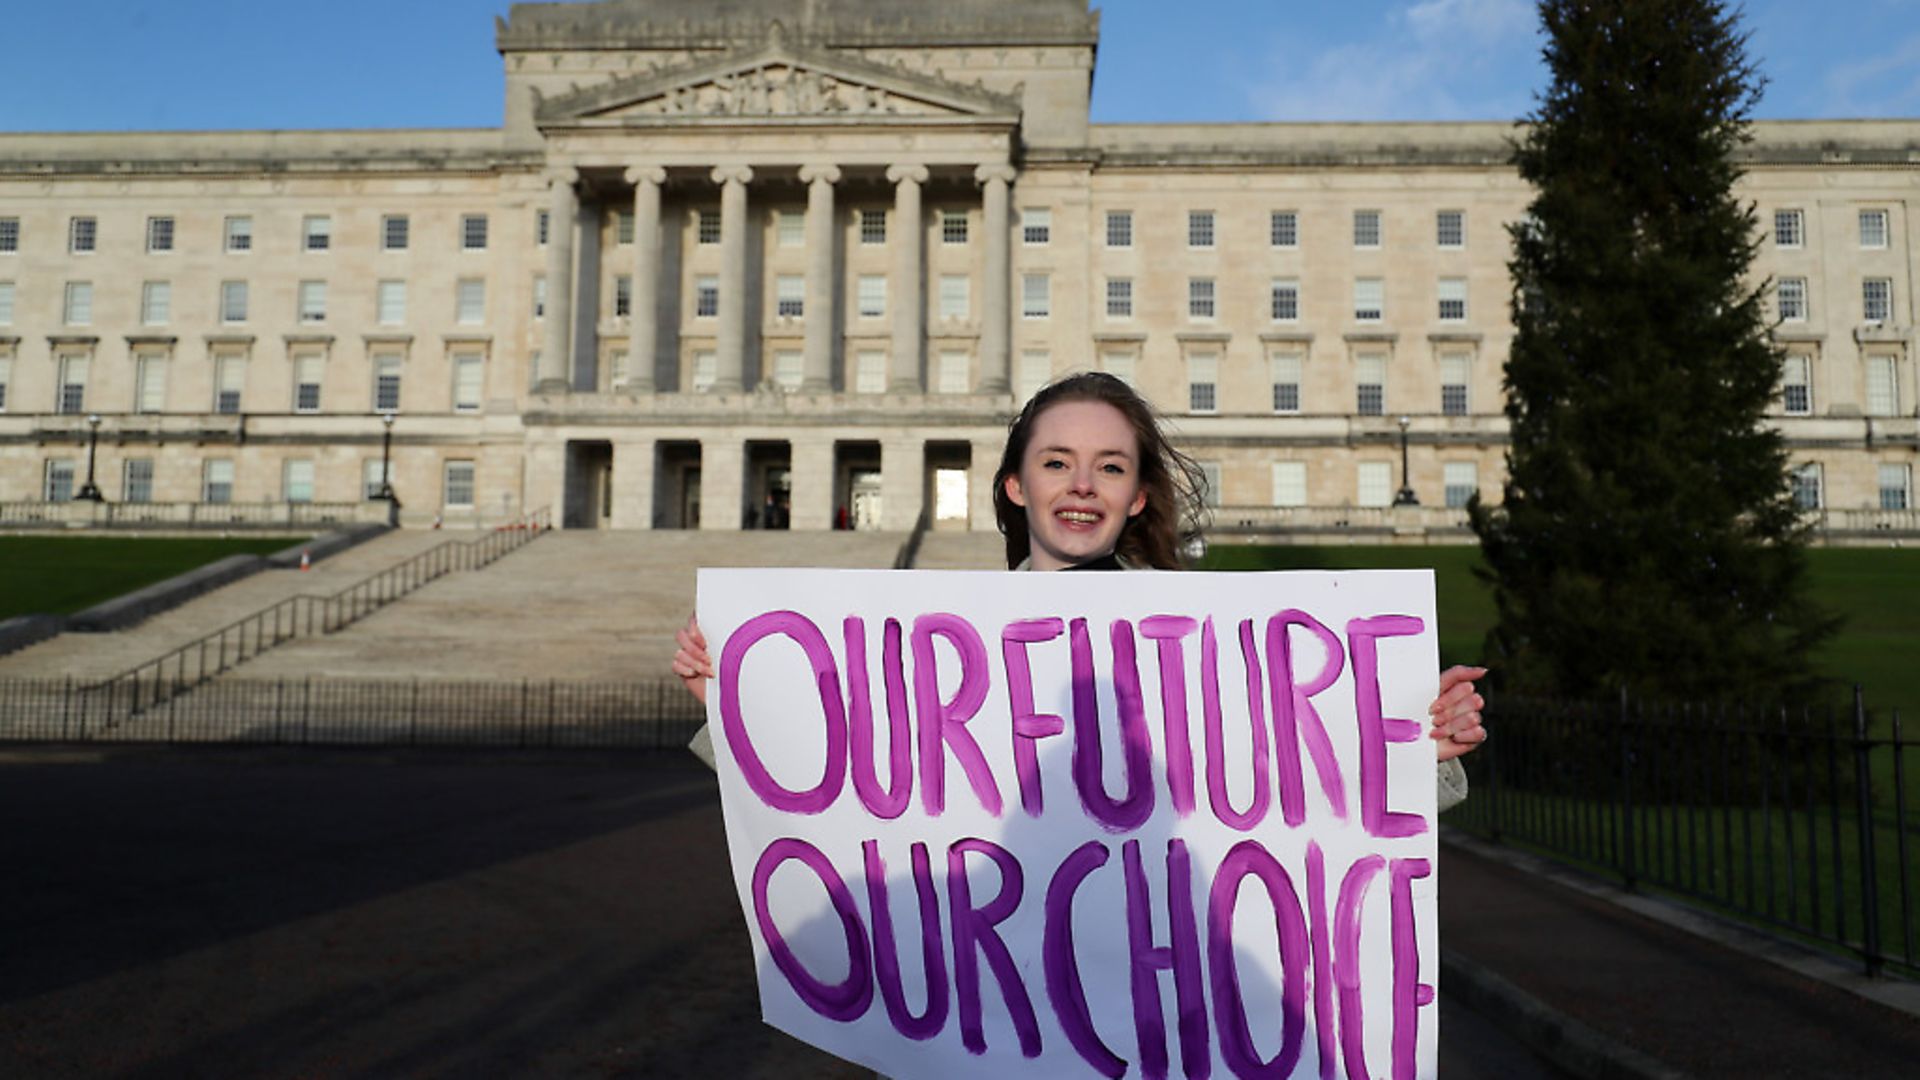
{"x": 1647, "y": 539}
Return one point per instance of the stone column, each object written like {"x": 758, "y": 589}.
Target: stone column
{"x": 556, "y": 350}
{"x": 633, "y": 467}
{"x": 812, "y": 464}
{"x": 820, "y": 292}
{"x": 903, "y": 481}
{"x": 997, "y": 289}
{"x": 909, "y": 292}
{"x": 643, "y": 346}
{"x": 980, "y": 470}
{"x": 732, "y": 345}
{"x": 723, "y": 473}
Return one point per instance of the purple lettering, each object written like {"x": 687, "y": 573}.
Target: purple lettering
{"x": 1136, "y": 746}
{"x": 943, "y": 723}
{"x": 973, "y": 929}
{"x": 886, "y": 957}
{"x": 826, "y": 677}
{"x": 1216, "y": 738}
{"x": 1029, "y": 727}
{"x": 1181, "y": 956}
{"x": 1065, "y": 991}
{"x": 1168, "y": 630}
{"x": 1376, "y": 730}
{"x": 1346, "y": 961}
{"x": 845, "y": 1000}
{"x": 1295, "y": 718}
{"x": 890, "y": 801}
{"x": 1323, "y": 997}
{"x": 1409, "y": 993}
{"x": 1230, "y": 1014}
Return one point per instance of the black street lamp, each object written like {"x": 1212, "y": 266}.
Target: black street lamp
{"x": 90, "y": 491}
{"x": 1405, "y": 496}
{"x": 386, "y": 470}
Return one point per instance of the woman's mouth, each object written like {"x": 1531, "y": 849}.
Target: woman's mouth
{"x": 1078, "y": 517}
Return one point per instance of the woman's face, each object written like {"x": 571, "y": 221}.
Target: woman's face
{"x": 1079, "y": 482}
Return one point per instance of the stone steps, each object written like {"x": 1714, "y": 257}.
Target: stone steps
{"x": 962, "y": 551}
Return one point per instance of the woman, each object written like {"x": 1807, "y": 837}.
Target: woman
{"x": 1088, "y": 481}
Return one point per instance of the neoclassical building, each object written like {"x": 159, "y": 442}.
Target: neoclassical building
{"x": 732, "y": 263}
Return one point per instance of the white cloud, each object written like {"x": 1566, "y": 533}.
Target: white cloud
{"x": 1887, "y": 84}
{"x": 1429, "y": 60}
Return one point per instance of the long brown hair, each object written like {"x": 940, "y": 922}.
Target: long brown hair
{"x": 1175, "y": 486}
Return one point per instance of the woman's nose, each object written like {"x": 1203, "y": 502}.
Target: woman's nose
{"x": 1083, "y": 481}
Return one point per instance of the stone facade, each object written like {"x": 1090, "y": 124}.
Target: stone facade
{"x": 728, "y": 263}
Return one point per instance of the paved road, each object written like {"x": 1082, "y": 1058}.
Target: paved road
{"x": 249, "y": 913}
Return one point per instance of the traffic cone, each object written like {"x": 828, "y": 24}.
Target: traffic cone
{"x": 306, "y": 561}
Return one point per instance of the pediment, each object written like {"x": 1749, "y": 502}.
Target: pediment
{"x": 776, "y": 81}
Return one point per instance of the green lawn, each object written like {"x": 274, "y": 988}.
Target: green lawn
{"x": 1873, "y": 587}
{"x": 59, "y": 575}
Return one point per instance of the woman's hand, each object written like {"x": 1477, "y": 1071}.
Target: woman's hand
{"x": 1456, "y": 713}
{"x": 692, "y": 663}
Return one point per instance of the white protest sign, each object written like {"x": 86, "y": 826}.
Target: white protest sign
{"x": 1084, "y": 824}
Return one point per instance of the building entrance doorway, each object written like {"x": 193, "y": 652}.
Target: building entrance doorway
{"x": 949, "y": 484}
{"x": 676, "y": 486}
{"x": 856, "y": 485}
{"x": 865, "y": 491}
{"x": 589, "y": 491}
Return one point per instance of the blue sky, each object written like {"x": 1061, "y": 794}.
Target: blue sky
{"x": 98, "y": 64}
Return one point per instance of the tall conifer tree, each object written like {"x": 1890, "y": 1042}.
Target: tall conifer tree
{"x": 1647, "y": 538}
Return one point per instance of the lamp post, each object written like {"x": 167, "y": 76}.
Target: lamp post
{"x": 386, "y": 470}
{"x": 90, "y": 491}
{"x": 1405, "y": 496}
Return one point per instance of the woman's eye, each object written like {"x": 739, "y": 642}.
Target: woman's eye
{"x": 1053, "y": 463}
{"x": 1115, "y": 470}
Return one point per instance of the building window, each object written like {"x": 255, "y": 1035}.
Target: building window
{"x": 1804, "y": 483}
{"x": 622, "y": 296}
{"x": 706, "y": 370}
{"x": 1284, "y": 369}
{"x": 1373, "y": 483}
{"x": 1873, "y": 228}
{"x": 1200, "y": 303}
{"x": 159, "y": 234}
{"x": 1789, "y": 228}
{"x": 870, "y": 372}
{"x": 1453, "y": 299}
{"x": 790, "y": 296}
{"x": 386, "y": 383}
{"x": 790, "y": 229}
{"x": 1199, "y": 228}
{"x": 707, "y": 227}
{"x": 789, "y": 369}
{"x": 316, "y": 232}
{"x": 1796, "y": 386}
{"x": 1366, "y": 229}
{"x": 539, "y": 296}
{"x": 1283, "y": 229}
{"x": 216, "y": 481}
{"x": 623, "y": 227}
{"x": 1214, "y": 484}
{"x": 873, "y": 227}
{"x": 156, "y": 303}
{"x": 1883, "y": 386}
{"x": 953, "y": 226}
{"x": 1036, "y": 226}
{"x": 373, "y": 477}
{"x": 1454, "y": 371}
{"x": 1896, "y": 487}
{"x": 1036, "y": 367}
{"x": 1036, "y": 296}
{"x": 458, "y": 492}
{"x": 229, "y": 377}
{"x": 1791, "y": 293}
{"x": 233, "y": 301}
{"x": 1369, "y": 300}
{"x": 394, "y": 231}
{"x": 6, "y": 378}
{"x": 136, "y": 480}
{"x": 313, "y": 301}
{"x": 391, "y": 301}
{"x": 1450, "y": 229}
{"x": 470, "y": 301}
{"x": 307, "y": 369}
{"x": 1119, "y": 363}
{"x": 469, "y": 370}
{"x": 239, "y": 233}
{"x": 297, "y": 481}
{"x": 1119, "y": 228}
{"x": 952, "y": 372}
{"x": 956, "y": 296}
{"x": 1119, "y": 298}
{"x": 72, "y": 398}
{"x": 1284, "y": 300}
{"x": 1289, "y": 483}
{"x": 541, "y": 221}
{"x": 83, "y": 233}
{"x": 871, "y": 296}
{"x": 1460, "y": 482}
{"x": 1370, "y": 382}
{"x": 149, "y": 383}
{"x": 1876, "y": 299}
{"x": 706, "y": 296}
{"x": 473, "y": 232}
{"x": 78, "y": 308}
{"x": 1203, "y": 383}
{"x": 6, "y": 303}
{"x": 58, "y": 486}
{"x": 9, "y": 235}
